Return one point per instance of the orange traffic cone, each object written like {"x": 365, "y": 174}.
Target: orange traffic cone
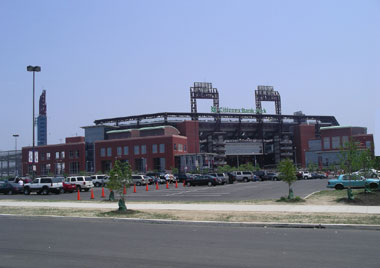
{"x": 125, "y": 190}
{"x": 78, "y": 195}
{"x": 176, "y": 184}
{"x": 92, "y": 194}
{"x": 156, "y": 185}
{"x": 103, "y": 195}
{"x": 147, "y": 187}
{"x": 167, "y": 185}
{"x": 134, "y": 188}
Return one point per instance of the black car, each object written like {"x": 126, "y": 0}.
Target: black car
{"x": 202, "y": 180}
{"x": 318, "y": 176}
{"x": 259, "y": 174}
{"x": 270, "y": 176}
{"x": 182, "y": 177}
{"x": 7, "y": 187}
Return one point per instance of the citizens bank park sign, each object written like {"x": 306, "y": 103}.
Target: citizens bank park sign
{"x": 214, "y": 109}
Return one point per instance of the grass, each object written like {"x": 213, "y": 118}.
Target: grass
{"x": 339, "y": 197}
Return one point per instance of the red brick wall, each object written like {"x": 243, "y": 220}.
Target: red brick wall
{"x": 362, "y": 139}
{"x": 302, "y": 134}
{"x": 52, "y": 149}
{"x": 74, "y": 139}
{"x": 190, "y": 129}
{"x": 169, "y": 154}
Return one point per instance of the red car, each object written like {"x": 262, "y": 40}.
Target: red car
{"x": 68, "y": 187}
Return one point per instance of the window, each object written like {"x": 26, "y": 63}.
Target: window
{"x": 162, "y": 148}
{"x": 184, "y": 148}
{"x": 175, "y": 147}
{"x": 344, "y": 141}
{"x": 77, "y": 154}
{"x": 154, "y": 148}
{"x": 118, "y": 151}
{"x": 326, "y": 143}
{"x": 126, "y": 151}
{"x": 103, "y": 152}
{"x": 74, "y": 168}
{"x": 368, "y": 144}
{"x": 42, "y": 156}
{"x": 180, "y": 147}
{"x": 143, "y": 149}
{"x": 63, "y": 155}
{"x": 136, "y": 150}
{"x": 335, "y": 142}
{"x": 56, "y": 155}
{"x": 59, "y": 168}
{"x": 71, "y": 154}
{"x": 109, "y": 151}
{"x": 47, "y": 156}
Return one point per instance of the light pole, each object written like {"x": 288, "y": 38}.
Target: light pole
{"x": 33, "y": 69}
{"x": 16, "y": 136}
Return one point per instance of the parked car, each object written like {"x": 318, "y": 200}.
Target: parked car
{"x": 8, "y": 187}
{"x": 271, "y": 176}
{"x": 244, "y": 176}
{"x": 231, "y": 177}
{"x": 140, "y": 179}
{"x": 68, "y": 187}
{"x": 222, "y": 178}
{"x": 44, "y": 186}
{"x": 157, "y": 179}
{"x": 304, "y": 175}
{"x": 182, "y": 176}
{"x": 203, "y": 180}
{"x": 259, "y": 174}
{"x": 81, "y": 182}
{"x": 317, "y": 175}
{"x": 353, "y": 181}
{"x": 99, "y": 180}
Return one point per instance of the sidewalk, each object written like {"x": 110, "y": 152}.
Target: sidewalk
{"x": 202, "y": 207}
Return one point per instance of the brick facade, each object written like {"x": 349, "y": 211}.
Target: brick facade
{"x": 66, "y": 158}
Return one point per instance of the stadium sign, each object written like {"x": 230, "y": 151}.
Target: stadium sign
{"x": 214, "y": 109}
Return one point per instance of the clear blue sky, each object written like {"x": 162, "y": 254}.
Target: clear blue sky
{"x": 104, "y": 59}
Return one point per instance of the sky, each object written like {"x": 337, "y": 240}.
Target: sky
{"x": 103, "y": 59}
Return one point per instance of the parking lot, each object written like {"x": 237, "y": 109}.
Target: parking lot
{"x": 262, "y": 190}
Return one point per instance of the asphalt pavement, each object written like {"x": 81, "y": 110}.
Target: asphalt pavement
{"x": 65, "y": 242}
{"x": 262, "y": 190}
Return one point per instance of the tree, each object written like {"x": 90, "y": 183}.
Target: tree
{"x": 288, "y": 174}
{"x": 174, "y": 170}
{"x": 350, "y": 162}
{"x": 120, "y": 177}
{"x": 247, "y": 167}
{"x": 312, "y": 167}
{"x": 367, "y": 162}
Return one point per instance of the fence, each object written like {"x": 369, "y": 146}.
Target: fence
{"x": 10, "y": 163}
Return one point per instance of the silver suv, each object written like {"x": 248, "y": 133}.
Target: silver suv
{"x": 140, "y": 179}
{"x": 245, "y": 176}
{"x": 99, "y": 180}
{"x": 81, "y": 182}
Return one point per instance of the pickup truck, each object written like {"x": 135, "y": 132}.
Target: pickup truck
{"x": 44, "y": 186}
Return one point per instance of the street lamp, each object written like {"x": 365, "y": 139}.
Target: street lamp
{"x": 33, "y": 69}
{"x": 16, "y": 136}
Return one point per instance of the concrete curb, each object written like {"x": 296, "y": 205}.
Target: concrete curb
{"x": 221, "y": 223}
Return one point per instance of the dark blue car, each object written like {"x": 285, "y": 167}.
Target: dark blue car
{"x": 7, "y": 187}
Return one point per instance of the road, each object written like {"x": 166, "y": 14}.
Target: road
{"x": 66, "y": 242}
{"x": 231, "y": 192}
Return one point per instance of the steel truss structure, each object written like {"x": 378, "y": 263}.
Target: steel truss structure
{"x": 203, "y": 90}
{"x": 266, "y": 93}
